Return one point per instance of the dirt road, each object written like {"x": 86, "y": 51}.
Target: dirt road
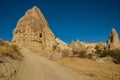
{"x": 39, "y": 68}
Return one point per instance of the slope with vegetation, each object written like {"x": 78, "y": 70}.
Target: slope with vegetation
{"x": 115, "y": 54}
{"x": 10, "y": 60}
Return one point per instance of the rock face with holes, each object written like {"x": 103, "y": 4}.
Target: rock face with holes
{"x": 113, "y": 40}
{"x": 32, "y": 31}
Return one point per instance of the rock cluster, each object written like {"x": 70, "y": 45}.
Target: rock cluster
{"x": 90, "y": 46}
{"x": 32, "y": 30}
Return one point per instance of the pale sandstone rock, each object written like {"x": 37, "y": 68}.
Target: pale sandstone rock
{"x": 90, "y": 46}
{"x": 77, "y": 47}
{"x": 32, "y": 31}
{"x": 61, "y": 45}
{"x": 113, "y": 40}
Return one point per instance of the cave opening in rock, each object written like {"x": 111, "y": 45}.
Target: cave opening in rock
{"x": 111, "y": 39}
{"x": 40, "y": 35}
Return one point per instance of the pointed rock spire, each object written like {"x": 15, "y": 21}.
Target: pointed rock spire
{"x": 113, "y": 40}
{"x": 33, "y": 30}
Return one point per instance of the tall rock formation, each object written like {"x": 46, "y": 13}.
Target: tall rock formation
{"x": 113, "y": 40}
{"x": 32, "y": 31}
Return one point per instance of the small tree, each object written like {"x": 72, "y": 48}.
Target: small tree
{"x": 100, "y": 52}
{"x": 115, "y": 54}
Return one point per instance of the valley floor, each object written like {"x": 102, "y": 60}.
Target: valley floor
{"x": 88, "y": 67}
{"x": 36, "y": 67}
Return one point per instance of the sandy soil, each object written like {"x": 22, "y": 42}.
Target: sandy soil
{"x": 39, "y": 68}
{"x": 88, "y": 67}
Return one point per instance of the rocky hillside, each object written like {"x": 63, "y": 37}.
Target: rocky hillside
{"x": 112, "y": 43}
{"x": 32, "y": 31}
{"x": 10, "y": 50}
{"x": 10, "y": 60}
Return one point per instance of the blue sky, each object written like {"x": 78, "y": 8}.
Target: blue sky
{"x": 86, "y": 20}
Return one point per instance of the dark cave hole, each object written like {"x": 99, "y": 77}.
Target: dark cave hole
{"x": 40, "y": 35}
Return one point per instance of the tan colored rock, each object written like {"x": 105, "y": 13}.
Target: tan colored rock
{"x": 62, "y": 46}
{"x": 113, "y": 40}
{"x": 77, "y": 47}
{"x": 32, "y": 31}
{"x": 90, "y": 46}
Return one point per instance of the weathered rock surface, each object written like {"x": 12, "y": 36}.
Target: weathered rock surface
{"x": 61, "y": 45}
{"x": 113, "y": 40}
{"x": 32, "y": 31}
{"x": 90, "y": 46}
{"x": 77, "y": 47}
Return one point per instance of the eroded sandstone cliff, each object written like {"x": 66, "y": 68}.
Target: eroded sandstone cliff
{"x": 32, "y": 31}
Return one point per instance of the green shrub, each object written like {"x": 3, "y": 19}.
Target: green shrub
{"x": 98, "y": 50}
{"x": 101, "y": 53}
{"x": 115, "y": 54}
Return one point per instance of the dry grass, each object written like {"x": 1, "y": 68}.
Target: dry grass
{"x": 100, "y": 71}
{"x": 9, "y": 49}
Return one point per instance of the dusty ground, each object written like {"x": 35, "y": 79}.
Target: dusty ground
{"x": 39, "y": 68}
{"x": 100, "y": 71}
{"x": 35, "y": 67}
